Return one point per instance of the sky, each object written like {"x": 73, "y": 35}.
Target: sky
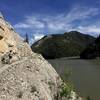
{"x": 42, "y": 17}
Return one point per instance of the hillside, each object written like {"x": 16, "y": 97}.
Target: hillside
{"x": 92, "y": 51}
{"x": 62, "y": 45}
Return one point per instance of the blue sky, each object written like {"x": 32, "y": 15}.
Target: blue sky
{"x": 41, "y": 17}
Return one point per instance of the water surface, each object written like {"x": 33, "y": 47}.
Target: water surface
{"x": 85, "y": 75}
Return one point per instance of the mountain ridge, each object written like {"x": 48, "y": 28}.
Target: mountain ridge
{"x": 67, "y": 44}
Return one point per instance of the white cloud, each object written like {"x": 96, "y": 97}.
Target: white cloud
{"x": 29, "y": 22}
{"x": 22, "y": 25}
{"x": 32, "y": 21}
{"x": 36, "y": 37}
{"x": 91, "y": 29}
{"x": 60, "y": 23}
{"x": 81, "y": 13}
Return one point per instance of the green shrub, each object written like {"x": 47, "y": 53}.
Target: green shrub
{"x": 65, "y": 90}
{"x": 67, "y": 85}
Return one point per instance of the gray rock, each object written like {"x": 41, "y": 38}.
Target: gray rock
{"x": 6, "y": 58}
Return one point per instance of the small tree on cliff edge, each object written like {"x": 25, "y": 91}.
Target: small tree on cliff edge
{"x": 26, "y": 38}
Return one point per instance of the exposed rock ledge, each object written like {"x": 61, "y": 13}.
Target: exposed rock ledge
{"x": 25, "y": 75}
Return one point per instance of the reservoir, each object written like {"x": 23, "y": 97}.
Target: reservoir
{"x": 85, "y": 75}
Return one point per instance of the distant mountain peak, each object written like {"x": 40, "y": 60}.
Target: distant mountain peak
{"x": 73, "y": 32}
{"x": 62, "y": 45}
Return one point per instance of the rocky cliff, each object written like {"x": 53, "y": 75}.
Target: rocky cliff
{"x": 25, "y": 75}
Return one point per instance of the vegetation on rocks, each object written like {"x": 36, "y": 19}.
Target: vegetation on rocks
{"x": 65, "y": 90}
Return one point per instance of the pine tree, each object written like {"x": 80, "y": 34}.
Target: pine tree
{"x": 26, "y": 38}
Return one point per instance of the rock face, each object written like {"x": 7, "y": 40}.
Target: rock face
{"x": 25, "y": 75}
